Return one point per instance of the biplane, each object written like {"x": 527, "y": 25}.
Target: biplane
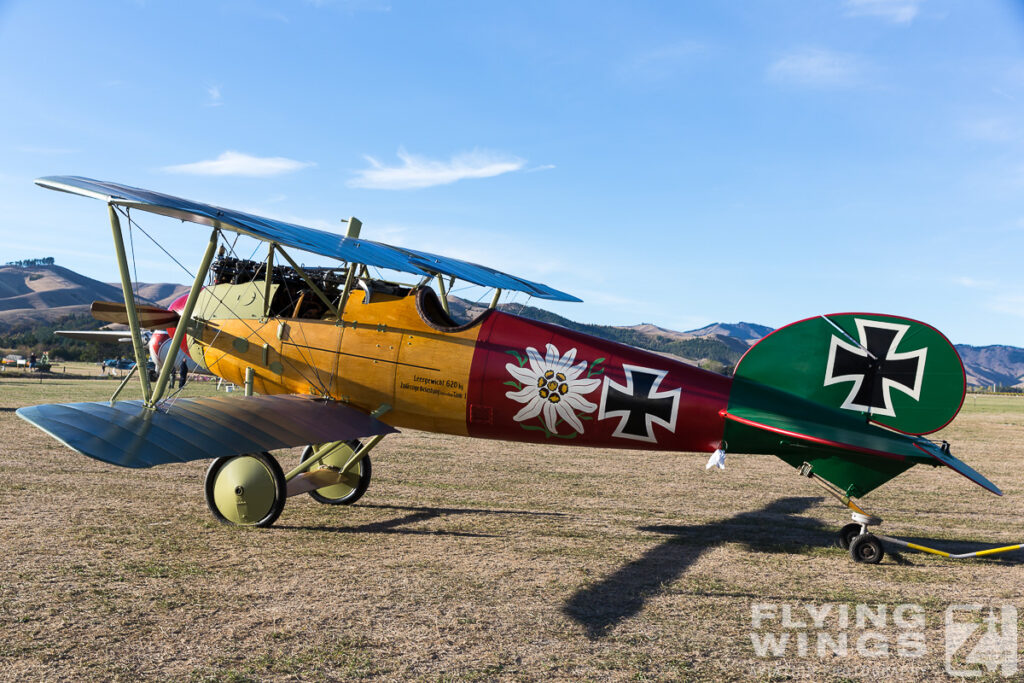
{"x": 333, "y": 359}
{"x": 157, "y": 341}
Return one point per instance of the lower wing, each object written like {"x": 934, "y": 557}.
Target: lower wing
{"x": 129, "y": 434}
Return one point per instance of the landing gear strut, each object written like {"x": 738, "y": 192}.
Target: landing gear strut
{"x": 351, "y": 484}
{"x": 864, "y": 547}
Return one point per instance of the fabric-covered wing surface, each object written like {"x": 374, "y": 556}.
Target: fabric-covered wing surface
{"x": 129, "y": 435}
{"x": 291, "y": 235}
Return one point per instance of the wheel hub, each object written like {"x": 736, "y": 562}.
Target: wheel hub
{"x": 244, "y": 490}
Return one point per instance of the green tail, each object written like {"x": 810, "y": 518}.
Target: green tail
{"x": 830, "y": 392}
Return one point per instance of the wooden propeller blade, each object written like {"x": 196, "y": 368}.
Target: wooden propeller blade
{"x": 150, "y": 317}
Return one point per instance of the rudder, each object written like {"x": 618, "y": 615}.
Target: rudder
{"x": 897, "y": 372}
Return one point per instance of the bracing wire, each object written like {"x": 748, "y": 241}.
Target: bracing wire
{"x": 317, "y": 381}
{"x": 131, "y": 242}
{"x": 254, "y": 249}
{"x": 131, "y": 222}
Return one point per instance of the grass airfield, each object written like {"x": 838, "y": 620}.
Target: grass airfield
{"x": 485, "y": 560}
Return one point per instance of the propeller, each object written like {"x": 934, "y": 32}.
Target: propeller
{"x": 150, "y": 317}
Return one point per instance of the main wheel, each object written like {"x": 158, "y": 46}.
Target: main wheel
{"x": 246, "y": 490}
{"x": 847, "y": 534}
{"x": 867, "y": 549}
{"x": 354, "y": 482}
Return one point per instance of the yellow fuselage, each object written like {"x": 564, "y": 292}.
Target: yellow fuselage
{"x": 382, "y": 353}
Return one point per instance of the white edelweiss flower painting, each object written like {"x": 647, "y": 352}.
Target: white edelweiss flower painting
{"x": 552, "y": 388}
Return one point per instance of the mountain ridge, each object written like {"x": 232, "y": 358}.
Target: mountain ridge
{"x": 45, "y": 294}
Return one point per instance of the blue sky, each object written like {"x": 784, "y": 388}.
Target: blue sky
{"x": 673, "y": 163}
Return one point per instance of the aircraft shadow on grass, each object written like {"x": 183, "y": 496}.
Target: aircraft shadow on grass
{"x": 422, "y": 514}
{"x": 775, "y": 528}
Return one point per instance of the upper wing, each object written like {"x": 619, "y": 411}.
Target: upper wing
{"x": 130, "y": 435}
{"x": 316, "y": 241}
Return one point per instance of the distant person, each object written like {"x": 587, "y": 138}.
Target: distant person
{"x": 31, "y": 360}
{"x": 182, "y": 374}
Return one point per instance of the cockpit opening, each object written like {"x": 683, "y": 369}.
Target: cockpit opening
{"x": 428, "y": 305}
{"x": 294, "y": 298}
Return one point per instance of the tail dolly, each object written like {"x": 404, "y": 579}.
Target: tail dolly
{"x": 866, "y": 547}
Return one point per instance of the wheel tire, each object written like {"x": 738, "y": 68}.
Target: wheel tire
{"x": 866, "y": 549}
{"x": 246, "y": 490}
{"x": 847, "y": 534}
{"x": 342, "y": 494}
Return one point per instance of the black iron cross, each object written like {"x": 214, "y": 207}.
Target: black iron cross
{"x": 639, "y": 403}
{"x": 869, "y": 371}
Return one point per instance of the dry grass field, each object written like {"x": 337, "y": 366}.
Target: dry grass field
{"x": 476, "y": 560}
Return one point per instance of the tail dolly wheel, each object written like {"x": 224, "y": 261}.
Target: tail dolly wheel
{"x": 866, "y": 547}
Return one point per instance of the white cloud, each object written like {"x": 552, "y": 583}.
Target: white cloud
{"x": 972, "y": 283}
{"x": 417, "y": 172}
{"x": 816, "y": 67}
{"x": 238, "y": 164}
{"x": 214, "y": 96}
{"x": 894, "y": 11}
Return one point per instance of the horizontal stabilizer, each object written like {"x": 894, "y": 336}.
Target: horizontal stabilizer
{"x": 98, "y": 336}
{"x": 130, "y": 435}
{"x": 959, "y": 466}
{"x": 786, "y": 415}
{"x": 150, "y": 317}
{"x": 855, "y": 455}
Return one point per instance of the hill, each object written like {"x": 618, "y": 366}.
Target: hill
{"x": 161, "y": 293}
{"x": 714, "y": 352}
{"x": 747, "y": 332}
{"x": 34, "y": 294}
{"x": 986, "y": 366}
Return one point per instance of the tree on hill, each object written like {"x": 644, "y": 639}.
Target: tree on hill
{"x": 32, "y": 262}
